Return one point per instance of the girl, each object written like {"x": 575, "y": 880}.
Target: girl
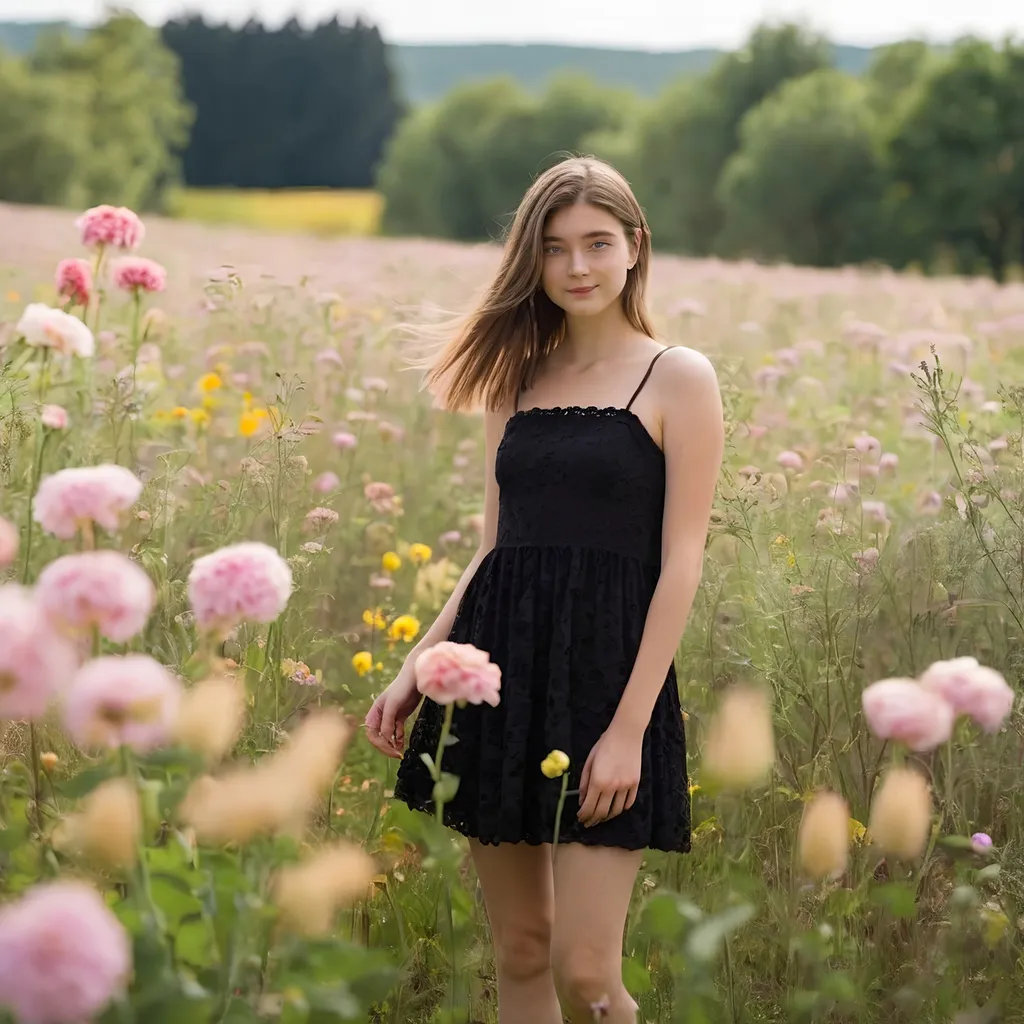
{"x": 603, "y": 450}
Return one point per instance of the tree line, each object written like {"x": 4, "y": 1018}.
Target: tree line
{"x": 772, "y": 154}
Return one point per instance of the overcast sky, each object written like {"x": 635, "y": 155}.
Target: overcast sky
{"x": 649, "y": 24}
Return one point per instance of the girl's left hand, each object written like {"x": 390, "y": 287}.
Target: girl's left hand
{"x": 611, "y": 776}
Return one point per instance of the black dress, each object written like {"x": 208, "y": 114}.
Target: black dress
{"x": 560, "y": 603}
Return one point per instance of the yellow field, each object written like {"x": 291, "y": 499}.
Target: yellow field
{"x": 313, "y": 211}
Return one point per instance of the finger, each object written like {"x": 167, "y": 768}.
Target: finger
{"x": 589, "y": 804}
{"x": 387, "y": 721}
{"x": 585, "y": 780}
{"x": 603, "y": 807}
{"x": 631, "y": 797}
{"x": 618, "y": 803}
{"x": 372, "y": 719}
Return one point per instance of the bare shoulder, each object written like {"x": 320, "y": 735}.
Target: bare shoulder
{"x": 685, "y": 372}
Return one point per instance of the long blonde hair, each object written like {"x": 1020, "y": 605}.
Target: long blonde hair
{"x": 497, "y": 350}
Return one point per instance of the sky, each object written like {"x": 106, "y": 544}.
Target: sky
{"x": 644, "y": 24}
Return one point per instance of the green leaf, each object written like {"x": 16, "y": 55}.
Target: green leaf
{"x": 86, "y": 781}
{"x": 896, "y": 897}
{"x": 195, "y": 944}
{"x": 704, "y": 941}
{"x": 446, "y": 789}
{"x": 664, "y": 916}
{"x": 428, "y": 761}
{"x": 635, "y": 977}
{"x": 989, "y": 873}
{"x": 239, "y": 1012}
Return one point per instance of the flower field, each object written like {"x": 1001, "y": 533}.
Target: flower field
{"x": 227, "y": 512}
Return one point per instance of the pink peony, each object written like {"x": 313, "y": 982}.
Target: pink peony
{"x": 790, "y": 460}
{"x": 54, "y": 417}
{"x": 74, "y": 281}
{"x": 343, "y": 440}
{"x": 900, "y": 709}
{"x": 122, "y": 700}
{"x": 87, "y": 494}
{"x": 326, "y": 482}
{"x": 242, "y": 582}
{"x": 109, "y": 225}
{"x": 102, "y": 589}
{"x": 449, "y": 672}
{"x": 971, "y": 689}
{"x": 63, "y": 954}
{"x": 34, "y": 661}
{"x": 43, "y": 327}
{"x": 136, "y": 273}
{"x": 8, "y": 543}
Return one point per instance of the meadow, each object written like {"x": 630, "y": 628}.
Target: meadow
{"x": 869, "y": 524}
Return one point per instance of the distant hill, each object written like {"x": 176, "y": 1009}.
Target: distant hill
{"x": 427, "y": 72}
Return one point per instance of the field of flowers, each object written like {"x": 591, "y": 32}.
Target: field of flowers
{"x": 227, "y": 512}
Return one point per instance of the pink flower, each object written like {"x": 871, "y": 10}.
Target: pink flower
{"x": 8, "y": 543}
{"x": 110, "y": 225}
{"x": 971, "y": 689}
{"x": 63, "y": 954}
{"x": 319, "y": 520}
{"x": 326, "y": 482}
{"x": 329, "y": 357}
{"x": 86, "y": 494}
{"x": 74, "y": 281}
{"x": 54, "y": 417}
{"x": 874, "y": 512}
{"x": 790, "y": 460}
{"x": 136, "y": 273}
{"x": 981, "y": 841}
{"x": 239, "y": 583}
{"x": 900, "y": 709}
{"x": 867, "y": 559}
{"x": 449, "y": 672}
{"x": 381, "y": 496}
{"x": 390, "y": 432}
{"x": 43, "y": 327}
{"x": 104, "y": 589}
{"x": 888, "y": 462}
{"x": 865, "y": 444}
{"x": 343, "y": 440}
{"x": 450, "y": 537}
{"x": 34, "y": 660}
{"x": 122, "y": 700}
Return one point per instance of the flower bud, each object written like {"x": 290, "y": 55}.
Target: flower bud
{"x": 824, "y": 838}
{"x": 901, "y": 814}
{"x": 740, "y": 747}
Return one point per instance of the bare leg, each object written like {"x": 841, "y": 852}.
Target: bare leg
{"x": 593, "y": 886}
{"x": 519, "y": 896}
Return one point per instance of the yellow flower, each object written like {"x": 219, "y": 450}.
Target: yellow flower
{"x": 781, "y": 539}
{"x": 379, "y": 666}
{"x": 375, "y": 618}
{"x": 13, "y": 296}
{"x": 857, "y": 831}
{"x": 405, "y": 627}
{"x": 694, "y": 788}
{"x": 179, "y": 412}
{"x": 200, "y": 417}
{"x": 362, "y": 662}
{"x": 250, "y": 421}
{"x": 419, "y": 553}
{"x": 556, "y": 764}
{"x": 390, "y": 561}
{"x": 210, "y": 382}
{"x": 48, "y": 760}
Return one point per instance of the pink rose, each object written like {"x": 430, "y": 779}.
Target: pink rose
{"x": 109, "y": 225}
{"x": 971, "y": 689}
{"x": 450, "y": 672}
{"x": 901, "y": 709}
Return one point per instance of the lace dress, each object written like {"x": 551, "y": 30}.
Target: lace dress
{"x": 559, "y": 603}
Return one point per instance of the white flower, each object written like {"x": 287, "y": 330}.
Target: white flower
{"x": 44, "y": 327}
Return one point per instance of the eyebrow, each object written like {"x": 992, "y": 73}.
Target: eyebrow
{"x": 589, "y": 234}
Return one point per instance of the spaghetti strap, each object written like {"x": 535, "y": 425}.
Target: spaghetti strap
{"x": 646, "y": 375}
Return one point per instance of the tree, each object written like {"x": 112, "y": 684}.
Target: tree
{"x": 693, "y": 129}
{"x": 806, "y": 182}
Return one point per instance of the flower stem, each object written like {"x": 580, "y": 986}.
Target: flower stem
{"x": 449, "y": 711}
{"x": 561, "y": 804}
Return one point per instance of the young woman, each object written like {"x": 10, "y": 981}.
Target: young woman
{"x": 603, "y": 452}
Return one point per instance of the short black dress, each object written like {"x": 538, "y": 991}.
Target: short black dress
{"x": 559, "y": 604}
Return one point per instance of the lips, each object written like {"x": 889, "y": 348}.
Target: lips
{"x": 582, "y": 291}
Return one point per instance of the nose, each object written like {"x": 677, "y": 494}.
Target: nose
{"x": 578, "y": 264}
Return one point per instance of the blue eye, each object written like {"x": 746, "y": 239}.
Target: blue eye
{"x": 600, "y": 243}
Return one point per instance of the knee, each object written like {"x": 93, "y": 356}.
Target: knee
{"x": 586, "y": 977}
{"x": 523, "y": 952}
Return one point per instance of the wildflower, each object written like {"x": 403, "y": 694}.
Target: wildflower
{"x": 375, "y": 619}
{"x": 865, "y": 444}
{"x": 43, "y": 327}
{"x": 405, "y": 627}
{"x": 900, "y": 709}
{"x": 49, "y": 760}
{"x": 122, "y": 700}
{"x": 888, "y": 462}
{"x": 555, "y": 765}
{"x": 308, "y": 894}
{"x": 200, "y": 417}
{"x": 250, "y": 421}
{"x": 981, "y": 841}
{"x": 209, "y": 382}
{"x": 901, "y": 814}
{"x": 34, "y": 661}
{"x": 740, "y": 748}
{"x": 390, "y": 432}
{"x": 108, "y": 225}
{"x": 343, "y": 440}
{"x": 74, "y": 281}
{"x": 137, "y": 274}
{"x": 790, "y": 460}
{"x": 326, "y": 482}
{"x": 824, "y": 835}
{"x": 390, "y": 561}
{"x": 419, "y": 553}
{"x": 8, "y": 543}
{"x": 54, "y": 417}
{"x": 381, "y": 496}
{"x": 64, "y": 956}
{"x": 362, "y": 662}
{"x": 89, "y": 494}
{"x": 971, "y": 689}
{"x": 319, "y": 520}
{"x": 245, "y": 582}
{"x": 179, "y": 412}
{"x": 210, "y": 716}
{"x": 107, "y": 828}
{"x": 451, "y": 672}
{"x": 856, "y": 831}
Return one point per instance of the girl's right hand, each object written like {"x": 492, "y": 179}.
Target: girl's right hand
{"x": 385, "y": 721}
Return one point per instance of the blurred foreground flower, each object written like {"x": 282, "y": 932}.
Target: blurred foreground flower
{"x": 824, "y": 839}
{"x": 971, "y": 689}
{"x": 451, "y": 672}
{"x": 77, "y": 497}
{"x": 54, "y": 417}
{"x": 362, "y": 662}
{"x": 405, "y": 627}
{"x": 555, "y": 765}
{"x": 419, "y": 553}
{"x": 211, "y": 717}
{"x": 246, "y": 582}
{"x": 107, "y": 828}
{"x": 122, "y": 700}
{"x": 981, "y": 841}
{"x": 116, "y": 226}
{"x": 901, "y": 709}
{"x": 34, "y": 661}
{"x": 63, "y": 954}
{"x": 43, "y": 327}
{"x": 901, "y": 813}
{"x": 739, "y": 750}
{"x": 308, "y": 894}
